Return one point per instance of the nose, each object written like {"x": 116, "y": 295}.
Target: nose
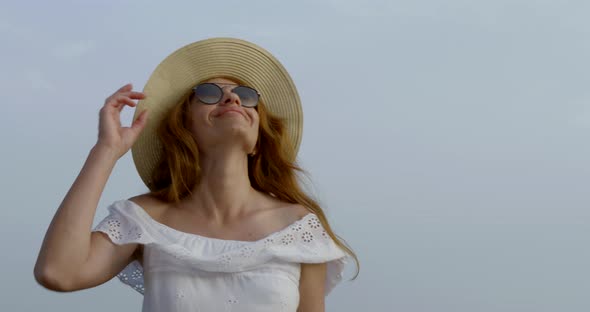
{"x": 229, "y": 97}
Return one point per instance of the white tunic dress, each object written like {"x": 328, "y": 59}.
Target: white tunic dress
{"x": 189, "y": 272}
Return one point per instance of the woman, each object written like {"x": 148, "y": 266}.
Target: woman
{"x": 225, "y": 226}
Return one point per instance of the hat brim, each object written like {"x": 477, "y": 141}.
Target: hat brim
{"x": 205, "y": 59}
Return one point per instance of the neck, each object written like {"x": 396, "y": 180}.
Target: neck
{"x": 224, "y": 190}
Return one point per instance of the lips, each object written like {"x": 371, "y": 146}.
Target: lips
{"x": 231, "y": 110}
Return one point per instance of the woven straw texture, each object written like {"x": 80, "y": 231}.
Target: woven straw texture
{"x": 174, "y": 77}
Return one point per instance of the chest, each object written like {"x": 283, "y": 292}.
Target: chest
{"x": 250, "y": 229}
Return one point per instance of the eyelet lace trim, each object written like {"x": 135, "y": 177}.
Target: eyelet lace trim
{"x": 307, "y": 232}
{"x": 132, "y": 275}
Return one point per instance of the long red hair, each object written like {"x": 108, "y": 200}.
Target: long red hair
{"x": 270, "y": 169}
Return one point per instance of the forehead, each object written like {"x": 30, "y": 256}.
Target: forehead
{"x": 222, "y": 80}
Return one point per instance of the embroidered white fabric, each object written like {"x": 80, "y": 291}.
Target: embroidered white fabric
{"x": 188, "y": 272}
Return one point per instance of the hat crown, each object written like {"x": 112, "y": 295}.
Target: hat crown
{"x": 193, "y": 63}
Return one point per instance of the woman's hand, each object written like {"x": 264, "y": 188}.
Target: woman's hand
{"x": 110, "y": 133}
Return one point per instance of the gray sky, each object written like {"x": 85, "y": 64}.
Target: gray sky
{"x": 447, "y": 140}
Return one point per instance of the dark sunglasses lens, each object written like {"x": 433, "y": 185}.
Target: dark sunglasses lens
{"x": 208, "y": 93}
{"x": 248, "y": 96}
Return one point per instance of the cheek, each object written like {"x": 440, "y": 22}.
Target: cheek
{"x": 200, "y": 116}
{"x": 255, "y": 128}
{"x": 255, "y": 123}
{"x": 199, "y": 125}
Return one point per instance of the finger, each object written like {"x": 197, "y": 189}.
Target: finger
{"x": 118, "y": 102}
{"x": 122, "y": 101}
{"x": 141, "y": 119}
{"x": 127, "y": 87}
{"x": 139, "y": 123}
{"x": 134, "y": 94}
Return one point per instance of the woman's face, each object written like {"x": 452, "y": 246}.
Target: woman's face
{"x": 226, "y": 122}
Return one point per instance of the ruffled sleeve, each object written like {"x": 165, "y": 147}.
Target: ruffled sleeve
{"x": 122, "y": 227}
{"x": 304, "y": 241}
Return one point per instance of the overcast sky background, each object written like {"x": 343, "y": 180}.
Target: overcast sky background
{"x": 448, "y": 141}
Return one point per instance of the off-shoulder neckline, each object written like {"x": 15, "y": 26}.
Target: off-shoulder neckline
{"x": 171, "y": 229}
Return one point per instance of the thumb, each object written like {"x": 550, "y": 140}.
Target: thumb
{"x": 140, "y": 122}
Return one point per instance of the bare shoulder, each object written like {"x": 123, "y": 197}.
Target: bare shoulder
{"x": 290, "y": 212}
{"x": 153, "y": 206}
{"x": 300, "y": 211}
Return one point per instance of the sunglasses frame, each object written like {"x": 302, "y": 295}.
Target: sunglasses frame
{"x": 221, "y": 89}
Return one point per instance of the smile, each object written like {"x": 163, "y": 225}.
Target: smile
{"x": 232, "y": 110}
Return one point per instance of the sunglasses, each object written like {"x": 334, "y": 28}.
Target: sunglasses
{"x": 211, "y": 93}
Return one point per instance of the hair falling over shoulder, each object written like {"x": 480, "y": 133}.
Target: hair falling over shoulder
{"x": 270, "y": 169}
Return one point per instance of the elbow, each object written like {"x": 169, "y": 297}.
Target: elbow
{"x": 49, "y": 280}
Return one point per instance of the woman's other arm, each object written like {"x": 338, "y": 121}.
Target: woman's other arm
{"x": 69, "y": 243}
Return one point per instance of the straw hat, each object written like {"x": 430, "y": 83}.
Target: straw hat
{"x": 205, "y": 59}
